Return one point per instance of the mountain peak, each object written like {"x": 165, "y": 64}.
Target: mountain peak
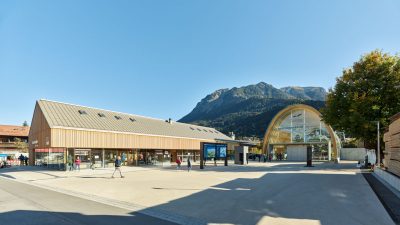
{"x": 222, "y": 99}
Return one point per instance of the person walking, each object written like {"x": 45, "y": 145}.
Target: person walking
{"x": 178, "y": 163}
{"x": 26, "y": 160}
{"x": 189, "y": 164}
{"x": 78, "y": 163}
{"x": 21, "y": 160}
{"x": 70, "y": 163}
{"x": 118, "y": 163}
{"x": 215, "y": 161}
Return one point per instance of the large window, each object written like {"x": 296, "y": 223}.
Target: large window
{"x": 50, "y": 157}
{"x": 299, "y": 126}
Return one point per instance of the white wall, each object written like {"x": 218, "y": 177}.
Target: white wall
{"x": 353, "y": 154}
{"x": 297, "y": 152}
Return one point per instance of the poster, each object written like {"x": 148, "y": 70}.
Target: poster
{"x": 214, "y": 150}
{"x": 209, "y": 150}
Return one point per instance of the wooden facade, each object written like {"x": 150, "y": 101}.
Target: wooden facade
{"x": 392, "y": 146}
{"x": 42, "y": 136}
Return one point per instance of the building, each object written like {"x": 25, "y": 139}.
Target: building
{"x": 61, "y": 132}
{"x": 392, "y": 146}
{"x": 13, "y": 142}
{"x": 296, "y": 127}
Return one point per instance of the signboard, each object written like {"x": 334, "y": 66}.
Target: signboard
{"x": 82, "y": 152}
{"x": 212, "y": 150}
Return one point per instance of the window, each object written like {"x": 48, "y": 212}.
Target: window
{"x": 198, "y": 129}
{"x": 191, "y": 128}
{"x": 82, "y": 112}
{"x": 132, "y": 119}
{"x": 205, "y": 130}
{"x": 118, "y": 117}
{"x": 101, "y": 114}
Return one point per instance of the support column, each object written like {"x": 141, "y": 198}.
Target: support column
{"x": 329, "y": 151}
{"x": 102, "y": 158}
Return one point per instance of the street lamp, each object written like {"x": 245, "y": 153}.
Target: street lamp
{"x": 379, "y": 142}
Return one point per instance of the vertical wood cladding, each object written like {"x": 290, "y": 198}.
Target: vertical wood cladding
{"x": 392, "y": 146}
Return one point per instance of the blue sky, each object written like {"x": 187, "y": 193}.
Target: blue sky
{"x": 159, "y": 58}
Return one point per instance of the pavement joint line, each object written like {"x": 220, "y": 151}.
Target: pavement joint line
{"x": 160, "y": 214}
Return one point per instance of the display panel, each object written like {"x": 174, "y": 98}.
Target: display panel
{"x": 214, "y": 150}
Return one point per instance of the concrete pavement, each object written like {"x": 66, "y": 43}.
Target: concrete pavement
{"x": 22, "y": 204}
{"x": 261, "y": 193}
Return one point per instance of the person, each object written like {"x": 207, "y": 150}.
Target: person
{"x": 93, "y": 163}
{"x": 21, "y": 160}
{"x": 117, "y": 164}
{"x": 178, "y": 163}
{"x": 78, "y": 163}
{"x": 189, "y": 164}
{"x": 26, "y": 160}
{"x": 70, "y": 163}
{"x": 215, "y": 161}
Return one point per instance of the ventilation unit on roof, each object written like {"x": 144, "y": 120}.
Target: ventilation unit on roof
{"x": 118, "y": 117}
{"x": 101, "y": 114}
{"x": 82, "y": 112}
{"x": 132, "y": 119}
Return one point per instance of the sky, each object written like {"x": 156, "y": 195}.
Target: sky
{"x": 159, "y": 58}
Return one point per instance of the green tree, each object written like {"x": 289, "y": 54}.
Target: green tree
{"x": 25, "y": 124}
{"x": 368, "y": 91}
{"x": 21, "y": 145}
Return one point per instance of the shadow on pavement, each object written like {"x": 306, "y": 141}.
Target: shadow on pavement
{"x": 291, "y": 198}
{"x": 30, "y": 217}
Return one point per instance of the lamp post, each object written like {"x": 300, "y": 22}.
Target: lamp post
{"x": 379, "y": 143}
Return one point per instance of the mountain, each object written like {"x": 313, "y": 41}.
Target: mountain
{"x": 307, "y": 93}
{"x": 248, "y": 110}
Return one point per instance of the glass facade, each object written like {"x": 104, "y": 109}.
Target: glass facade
{"x": 153, "y": 157}
{"x": 299, "y": 126}
{"x": 50, "y": 157}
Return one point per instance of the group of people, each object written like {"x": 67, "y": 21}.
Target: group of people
{"x": 179, "y": 163}
{"x": 74, "y": 164}
{"x": 23, "y": 160}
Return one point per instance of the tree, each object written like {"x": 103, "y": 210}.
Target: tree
{"x": 21, "y": 145}
{"x": 25, "y": 124}
{"x": 368, "y": 91}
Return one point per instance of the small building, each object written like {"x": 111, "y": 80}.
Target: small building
{"x": 13, "y": 142}
{"x": 392, "y": 146}
{"x": 61, "y": 132}
{"x": 296, "y": 127}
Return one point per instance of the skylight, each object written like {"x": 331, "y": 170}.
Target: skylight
{"x": 132, "y": 119}
{"x": 82, "y": 112}
{"x": 101, "y": 114}
{"x": 118, "y": 117}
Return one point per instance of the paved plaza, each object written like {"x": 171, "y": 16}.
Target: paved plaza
{"x": 260, "y": 193}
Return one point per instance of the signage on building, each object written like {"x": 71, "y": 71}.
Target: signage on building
{"x": 82, "y": 151}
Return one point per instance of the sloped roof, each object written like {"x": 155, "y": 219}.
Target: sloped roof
{"x": 69, "y": 116}
{"x": 14, "y": 131}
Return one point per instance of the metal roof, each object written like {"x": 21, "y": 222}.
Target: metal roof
{"x": 69, "y": 116}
